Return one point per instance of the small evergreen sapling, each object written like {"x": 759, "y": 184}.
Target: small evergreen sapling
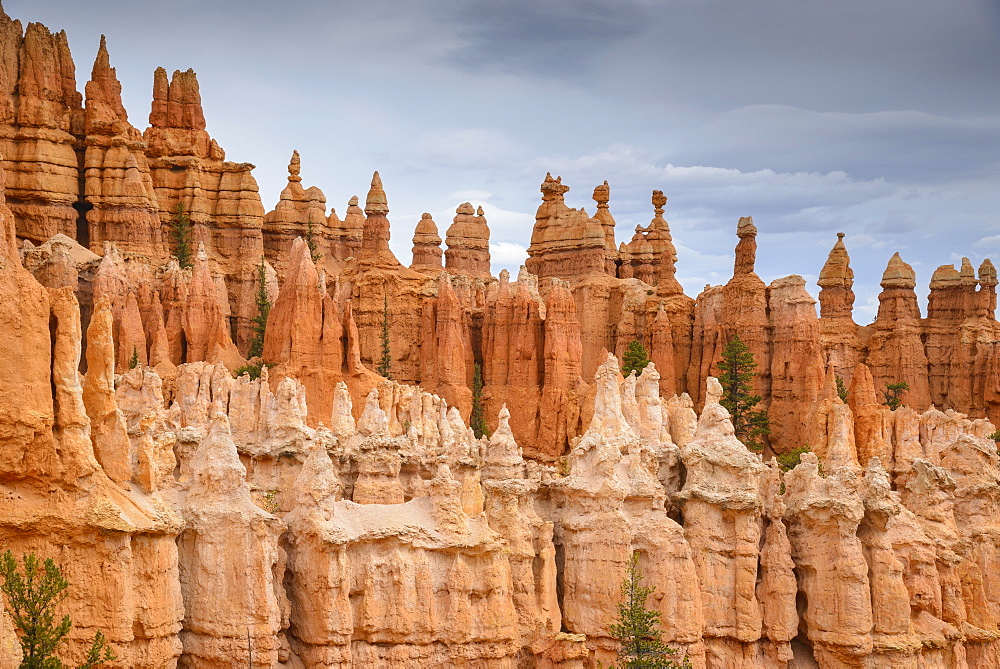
{"x": 638, "y": 628}
{"x": 133, "y": 362}
{"x": 841, "y": 389}
{"x": 263, "y": 310}
{"x": 893, "y": 394}
{"x": 311, "y": 242}
{"x": 477, "y": 421}
{"x": 251, "y": 369}
{"x": 738, "y": 368}
{"x": 635, "y": 358}
{"x": 385, "y": 363}
{"x": 31, "y": 601}
{"x": 182, "y": 233}
{"x": 788, "y": 461}
{"x": 99, "y": 653}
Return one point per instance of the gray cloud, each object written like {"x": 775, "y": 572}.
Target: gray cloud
{"x": 561, "y": 37}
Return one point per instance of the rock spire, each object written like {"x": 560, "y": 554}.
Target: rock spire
{"x": 427, "y": 247}
{"x": 375, "y": 235}
{"x": 468, "y": 243}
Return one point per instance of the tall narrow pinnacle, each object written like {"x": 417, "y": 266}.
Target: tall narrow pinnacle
{"x": 294, "y": 167}
{"x": 104, "y": 95}
{"x": 746, "y": 249}
{"x": 102, "y": 64}
{"x": 836, "y": 280}
{"x": 376, "y": 202}
{"x": 837, "y": 269}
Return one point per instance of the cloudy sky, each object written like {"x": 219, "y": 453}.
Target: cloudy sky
{"x": 878, "y": 118}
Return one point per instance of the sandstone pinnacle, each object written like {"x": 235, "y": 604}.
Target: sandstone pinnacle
{"x": 898, "y": 274}
{"x": 746, "y": 249}
{"x": 226, "y": 520}
{"x": 376, "y": 202}
{"x": 468, "y": 243}
{"x": 426, "y": 246}
{"x": 836, "y": 280}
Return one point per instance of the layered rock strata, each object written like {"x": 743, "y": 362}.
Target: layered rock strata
{"x": 120, "y": 201}
{"x": 427, "y": 247}
{"x": 565, "y": 242}
{"x": 468, "y": 243}
{"x": 192, "y": 177}
{"x": 300, "y": 212}
{"x": 42, "y": 116}
{"x": 322, "y": 515}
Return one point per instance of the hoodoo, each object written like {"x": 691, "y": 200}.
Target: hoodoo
{"x": 429, "y": 466}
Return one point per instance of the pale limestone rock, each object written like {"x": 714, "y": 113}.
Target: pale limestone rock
{"x": 901, "y": 564}
{"x": 10, "y": 649}
{"x": 331, "y": 539}
{"x": 108, "y": 430}
{"x": 608, "y": 464}
{"x": 229, "y": 557}
{"x": 823, "y": 513}
{"x": 341, "y": 418}
{"x": 373, "y": 421}
{"x": 722, "y": 503}
{"x": 776, "y": 588}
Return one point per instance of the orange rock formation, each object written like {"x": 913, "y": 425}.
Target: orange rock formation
{"x": 322, "y": 515}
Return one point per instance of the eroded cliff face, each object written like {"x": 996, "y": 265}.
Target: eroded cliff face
{"x": 228, "y": 528}
{"x": 323, "y": 515}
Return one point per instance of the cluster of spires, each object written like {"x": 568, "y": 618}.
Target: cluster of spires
{"x": 649, "y": 256}
{"x": 951, "y": 290}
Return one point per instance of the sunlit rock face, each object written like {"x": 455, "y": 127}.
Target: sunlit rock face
{"x": 339, "y": 510}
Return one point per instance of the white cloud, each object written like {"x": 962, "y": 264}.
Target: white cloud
{"x": 508, "y": 230}
{"x": 992, "y": 241}
{"x": 464, "y": 148}
{"x": 469, "y": 195}
{"x": 507, "y": 255}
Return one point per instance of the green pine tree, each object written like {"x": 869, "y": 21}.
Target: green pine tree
{"x": 738, "y": 370}
{"x": 477, "y": 421}
{"x": 313, "y": 247}
{"x": 638, "y": 628}
{"x": 99, "y": 653}
{"x": 893, "y": 394}
{"x": 385, "y": 363}
{"x": 133, "y": 362}
{"x": 263, "y": 309}
{"x": 251, "y": 369}
{"x": 182, "y": 232}
{"x": 635, "y": 358}
{"x": 788, "y": 461}
{"x": 841, "y": 389}
{"x": 31, "y": 601}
